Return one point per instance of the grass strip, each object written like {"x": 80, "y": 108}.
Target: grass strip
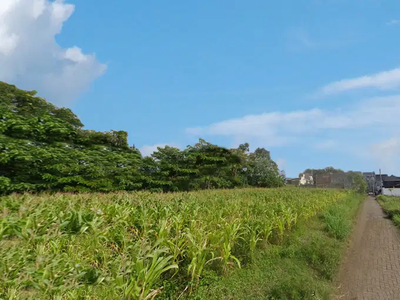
{"x": 391, "y": 206}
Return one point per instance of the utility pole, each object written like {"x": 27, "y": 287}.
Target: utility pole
{"x": 374, "y": 184}
{"x": 380, "y": 176}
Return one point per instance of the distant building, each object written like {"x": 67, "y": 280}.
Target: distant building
{"x": 340, "y": 180}
{"x": 390, "y": 181}
{"x": 323, "y": 180}
{"x": 378, "y": 183}
{"x": 306, "y": 179}
{"x": 385, "y": 181}
{"x": 292, "y": 181}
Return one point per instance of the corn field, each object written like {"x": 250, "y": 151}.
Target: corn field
{"x": 140, "y": 245}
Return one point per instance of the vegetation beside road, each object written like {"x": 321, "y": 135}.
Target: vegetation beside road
{"x": 391, "y": 206}
{"x": 140, "y": 245}
{"x": 302, "y": 266}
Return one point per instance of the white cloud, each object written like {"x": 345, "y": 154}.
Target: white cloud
{"x": 281, "y": 128}
{"x": 383, "y": 81}
{"x": 386, "y": 154}
{"x": 264, "y": 126}
{"x": 75, "y": 54}
{"x": 147, "y": 150}
{"x": 30, "y": 56}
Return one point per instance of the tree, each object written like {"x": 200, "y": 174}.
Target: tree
{"x": 327, "y": 170}
{"x": 45, "y": 148}
{"x": 262, "y": 170}
{"x": 358, "y": 182}
{"x": 171, "y": 169}
{"x": 216, "y": 166}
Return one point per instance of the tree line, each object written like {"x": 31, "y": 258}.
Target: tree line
{"x": 45, "y": 148}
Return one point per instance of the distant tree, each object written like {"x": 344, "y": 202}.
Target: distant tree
{"x": 262, "y": 170}
{"x": 245, "y": 148}
{"x": 358, "y": 182}
{"x": 327, "y": 170}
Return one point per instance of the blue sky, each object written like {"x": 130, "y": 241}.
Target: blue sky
{"x": 316, "y": 82}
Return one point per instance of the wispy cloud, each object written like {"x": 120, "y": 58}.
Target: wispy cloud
{"x": 386, "y": 154}
{"x": 393, "y": 22}
{"x": 299, "y": 39}
{"x": 352, "y": 130}
{"x": 384, "y": 80}
{"x": 282, "y": 128}
{"x": 264, "y": 126}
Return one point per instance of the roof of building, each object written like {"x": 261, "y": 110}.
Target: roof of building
{"x": 390, "y": 178}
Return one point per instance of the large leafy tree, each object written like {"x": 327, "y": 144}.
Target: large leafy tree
{"x": 169, "y": 169}
{"x": 216, "y": 166}
{"x": 45, "y": 148}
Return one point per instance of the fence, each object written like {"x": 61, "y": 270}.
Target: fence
{"x": 391, "y": 192}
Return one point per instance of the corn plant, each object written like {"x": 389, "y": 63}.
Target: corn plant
{"x": 148, "y": 269}
{"x": 129, "y": 245}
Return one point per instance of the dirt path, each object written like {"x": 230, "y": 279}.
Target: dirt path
{"x": 372, "y": 267}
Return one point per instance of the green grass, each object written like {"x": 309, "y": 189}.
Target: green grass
{"x": 304, "y": 266}
{"x": 143, "y": 245}
{"x": 391, "y": 205}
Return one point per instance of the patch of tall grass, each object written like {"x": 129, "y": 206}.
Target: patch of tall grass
{"x": 391, "y": 206}
{"x": 338, "y": 218}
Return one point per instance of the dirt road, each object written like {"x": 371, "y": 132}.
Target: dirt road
{"x": 371, "y": 269}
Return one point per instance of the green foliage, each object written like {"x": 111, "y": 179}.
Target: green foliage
{"x": 302, "y": 266}
{"x": 45, "y": 148}
{"x": 359, "y": 183}
{"x": 138, "y": 245}
{"x": 338, "y": 218}
{"x": 391, "y": 206}
{"x": 326, "y": 170}
{"x": 262, "y": 170}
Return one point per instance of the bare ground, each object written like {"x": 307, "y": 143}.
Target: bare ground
{"x": 371, "y": 269}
